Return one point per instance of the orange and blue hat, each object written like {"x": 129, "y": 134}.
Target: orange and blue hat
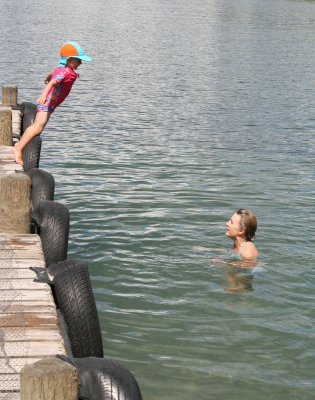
{"x": 72, "y": 49}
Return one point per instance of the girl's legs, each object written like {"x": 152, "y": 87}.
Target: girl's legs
{"x": 42, "y": 117}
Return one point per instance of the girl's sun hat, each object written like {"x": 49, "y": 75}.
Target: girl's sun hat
{"x": 72, "y": 49}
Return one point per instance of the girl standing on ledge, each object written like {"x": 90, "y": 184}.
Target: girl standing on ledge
{"x": 59, "y": 83}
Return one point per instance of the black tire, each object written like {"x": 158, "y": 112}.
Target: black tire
{"x": 31, "y": 153}
{"x": 43, "y": 186}
{"x": 104, "y": 379}
{"x": 74, "y": 297}
{"x": 52, "y": 222}
{"x": 29, "y": 111}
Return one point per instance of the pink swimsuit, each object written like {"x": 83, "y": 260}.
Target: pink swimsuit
{"x": 65, "y": 78}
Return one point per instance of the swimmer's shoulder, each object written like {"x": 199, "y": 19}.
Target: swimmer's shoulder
{"x": 249, "y": 252}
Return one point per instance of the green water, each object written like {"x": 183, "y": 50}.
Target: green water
{"x": 189, "y": 111}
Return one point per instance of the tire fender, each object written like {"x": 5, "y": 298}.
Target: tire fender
{"x": 31, "y": 153}
{"x": 74, "y": 297}
{"x": 29, "y": 111}
{"x": 52, "y": 221}
{"x": 43, "y": 186}
{"x": 104, "y": 379}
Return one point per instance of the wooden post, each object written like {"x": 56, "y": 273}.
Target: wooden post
{"x": 9, "y": 95}
{"x": 15, "y": 203}
{"x": 49, "y": 379}
{"x": 6, "y": 126}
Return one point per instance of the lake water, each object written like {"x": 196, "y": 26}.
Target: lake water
{"x": 190, "y": 110}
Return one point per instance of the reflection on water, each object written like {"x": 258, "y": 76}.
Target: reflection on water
{"x": 241, "y": 280}
{"x": 189, "y": 111}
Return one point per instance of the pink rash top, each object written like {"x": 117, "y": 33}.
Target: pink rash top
{"x": 65, "y": 78}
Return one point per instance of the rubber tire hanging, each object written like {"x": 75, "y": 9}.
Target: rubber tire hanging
{"x": 104, "y": 379}
{"x": 74, "y": 297}
{"x": 43, "y": 186}
{"x": 31, "y": 153}
{"x": 29, "y": 111}
{"x": 52, "y": 222}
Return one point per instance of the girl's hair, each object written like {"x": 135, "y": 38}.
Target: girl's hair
{"x": 248, "y": 222}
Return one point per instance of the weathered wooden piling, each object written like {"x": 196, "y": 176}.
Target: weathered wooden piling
{"x": 9, "y": 95}
{"x": 5, "y": 126}
{"x": 49, "y": 379}
{"x": 15, "y": 203}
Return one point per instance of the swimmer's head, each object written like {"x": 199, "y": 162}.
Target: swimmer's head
{"x": 248, "y": 222}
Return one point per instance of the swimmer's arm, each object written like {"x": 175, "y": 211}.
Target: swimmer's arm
{"x": 200, "y": 248}
{"x": 240, "y": 264}
{"x": 219, "y": 261}
{"x": 245, "y": 264}
{"x": 42, "y": 98}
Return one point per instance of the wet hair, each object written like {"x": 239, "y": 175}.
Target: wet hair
{"x": 248, "y": 222}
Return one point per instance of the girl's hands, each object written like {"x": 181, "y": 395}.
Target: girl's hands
{"x": 41, "y": 100}
{"x": 48, "y": 77}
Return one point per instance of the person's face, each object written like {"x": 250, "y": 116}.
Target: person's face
{"x": 73, "y": 63}
{"x": 233, "y": 226}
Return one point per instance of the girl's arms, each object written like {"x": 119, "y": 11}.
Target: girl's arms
{"x": 42, "y": 98}
{"x": 49, "y": 76}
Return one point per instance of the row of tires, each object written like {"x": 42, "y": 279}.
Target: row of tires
{"x": 100, "y": 378}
